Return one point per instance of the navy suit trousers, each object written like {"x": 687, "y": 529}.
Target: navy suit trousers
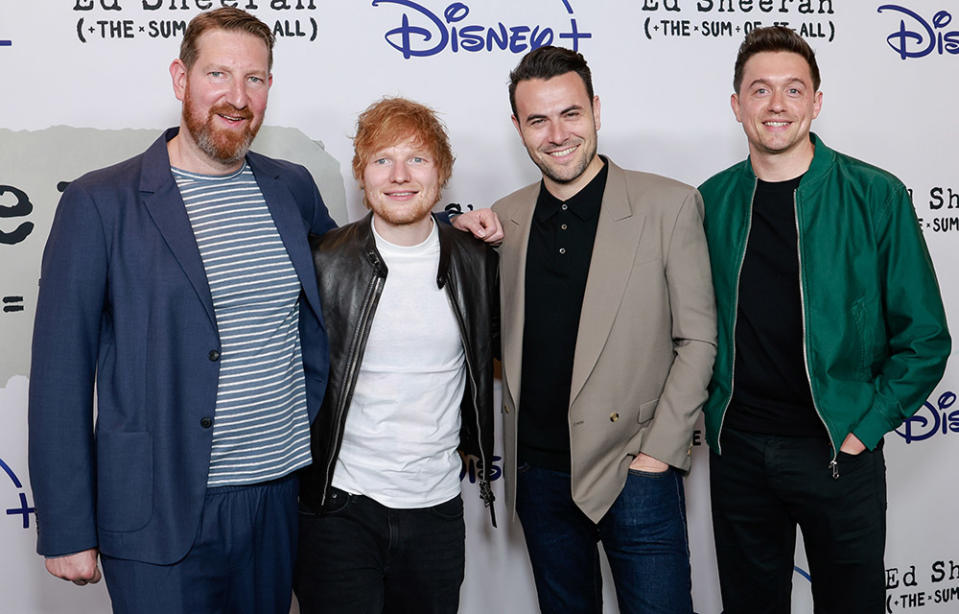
{"x": 241, "y": 561}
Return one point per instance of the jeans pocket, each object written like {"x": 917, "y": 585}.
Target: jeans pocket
{"x": 450, "y": 510}
{"x": 655, "y": 475}
{"x": 336, "y": 501}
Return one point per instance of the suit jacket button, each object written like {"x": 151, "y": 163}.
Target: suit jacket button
{"x": 206, "y": 422}
{"x": 214, "y": 355}
{"x": 613, "y": 417}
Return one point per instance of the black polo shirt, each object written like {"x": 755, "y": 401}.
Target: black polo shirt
{"x": 557, "y": 264}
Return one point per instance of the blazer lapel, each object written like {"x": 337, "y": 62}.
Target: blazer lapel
{"x": 513, "y": 275}
{"x": 291, "y": 227}
{"x": 161, "y": 197}
{"x": 617, "y": 236}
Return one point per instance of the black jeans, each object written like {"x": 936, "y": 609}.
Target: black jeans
{"x": 762, "y": 486}
{"x": 358, "y": 556}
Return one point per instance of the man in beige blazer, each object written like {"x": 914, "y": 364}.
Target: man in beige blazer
{"x": 609, "y": 333}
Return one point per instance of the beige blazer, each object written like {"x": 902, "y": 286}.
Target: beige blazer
{"x": 646, "y": 339}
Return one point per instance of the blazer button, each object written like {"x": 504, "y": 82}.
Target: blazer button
{"x": 206, "y": 422}
{"x": 214, "y": 355}
{"x": 613, "y": 417}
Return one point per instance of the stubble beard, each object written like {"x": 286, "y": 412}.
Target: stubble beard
{"x": 404, "y": 216}
{"x": 578, "y": 171}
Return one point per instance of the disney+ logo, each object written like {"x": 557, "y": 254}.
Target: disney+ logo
{"x": 432, "y": 33}
{"x": 931, "y": 420}
{"x": 920, "y": 37}
{"x": 23, "y": 510}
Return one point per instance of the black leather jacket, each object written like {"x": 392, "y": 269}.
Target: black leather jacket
{"x": 351, "y": 274}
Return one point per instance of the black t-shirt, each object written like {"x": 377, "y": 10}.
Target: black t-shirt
{"x": 557, "y": 264}
{"x": 770, "y": 387}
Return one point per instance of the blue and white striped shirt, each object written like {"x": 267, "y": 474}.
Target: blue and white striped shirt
{"x": 261, "y": 427}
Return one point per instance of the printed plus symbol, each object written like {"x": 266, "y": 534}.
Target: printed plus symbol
{"x": 10, "y": 303}
{"x": 575, "y": 34}
{"x": 24, "y": 510}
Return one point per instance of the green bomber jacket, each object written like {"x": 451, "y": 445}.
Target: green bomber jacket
{"x": 874, "y": 328}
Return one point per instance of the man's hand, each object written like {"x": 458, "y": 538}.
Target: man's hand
{"x": 647, "y": 463}
{"x": 851, "y": 445}
{"x": 483, "y": 223}
{"x": 79, "y": 567}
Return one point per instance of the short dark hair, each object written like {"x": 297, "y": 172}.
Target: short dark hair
{"x": 774, "y": 38}
{"x": 225, "y": 18}
{"x": 547, "y": 62}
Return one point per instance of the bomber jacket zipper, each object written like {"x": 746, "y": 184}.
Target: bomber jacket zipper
{"x": 732, "y": 364}
{"x": 833, "y": 464}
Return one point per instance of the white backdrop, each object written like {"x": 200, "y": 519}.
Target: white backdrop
{"x": 663, "y": 70}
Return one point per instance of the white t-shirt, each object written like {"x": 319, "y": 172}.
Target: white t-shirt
{"x": 403, "y": 424}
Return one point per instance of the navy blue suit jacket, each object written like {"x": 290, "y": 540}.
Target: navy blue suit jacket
{"x": 124, "y": 301}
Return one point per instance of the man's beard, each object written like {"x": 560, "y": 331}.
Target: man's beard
{"x": 224, "y": 146}
{"x": 401, "y": 216}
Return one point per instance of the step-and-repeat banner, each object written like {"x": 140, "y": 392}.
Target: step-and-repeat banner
{"x": 85, "y": 84}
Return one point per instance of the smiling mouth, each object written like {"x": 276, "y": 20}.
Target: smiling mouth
{"x": 233, "y": 118}
{"x": 405, "y": 194}
{"x": 776, "y": 124}
{"x": 562, "y": 152}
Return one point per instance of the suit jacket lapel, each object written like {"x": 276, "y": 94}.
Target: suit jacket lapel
{"x": 161, "y": 197}
{"x": 617, "y": 235}
{"x": 513, "y": 274}
{"x": 291, "y": 227}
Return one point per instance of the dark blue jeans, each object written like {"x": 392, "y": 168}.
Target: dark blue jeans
{"x": 762, "y": 487}
{"x": 357, "y": 556}
{"x": 643, "y": 534}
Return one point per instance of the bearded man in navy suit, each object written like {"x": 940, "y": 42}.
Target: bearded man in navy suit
{"x": 179, "y": 284}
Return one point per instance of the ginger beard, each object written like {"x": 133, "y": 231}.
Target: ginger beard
{"x": 401, "y": 183}
{"x": 221, "y": 144}
{"x": 418, "y": 206}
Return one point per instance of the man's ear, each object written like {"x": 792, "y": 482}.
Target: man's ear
{"x": 178, "y": 73}
{"x": 734, "y": 104}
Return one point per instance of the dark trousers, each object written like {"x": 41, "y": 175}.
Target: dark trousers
{"x": 240, "y": 563}
{"x": 643, "y": 535}
{"x": 358, "y": 556}
{"x": 762, "y": 487}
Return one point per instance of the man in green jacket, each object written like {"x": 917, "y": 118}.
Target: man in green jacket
{"x": 831, "y": 333}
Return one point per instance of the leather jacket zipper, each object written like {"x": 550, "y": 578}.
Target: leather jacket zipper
{"x": 359, "y": 341}
{"x": 486, "y": 490}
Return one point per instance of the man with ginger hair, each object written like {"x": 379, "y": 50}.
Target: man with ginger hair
{"x": 410, "y": 306}
{"x": 180, "y": 283}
